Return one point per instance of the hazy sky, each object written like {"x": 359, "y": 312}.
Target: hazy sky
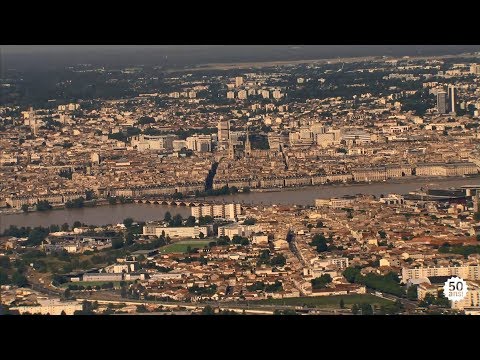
{"x": 28, "y": 49}
{"x": 56, "y": 56}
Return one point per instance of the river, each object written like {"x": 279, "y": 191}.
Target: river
{"x": 99, "y": 215}
{"x": 109, "y": 214}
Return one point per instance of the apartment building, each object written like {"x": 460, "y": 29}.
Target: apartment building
{"x": 224, "y": 211}
{"x": 51, "y": 307}
{"x": 470, "y": 272}
{"x": 153, "y": 229}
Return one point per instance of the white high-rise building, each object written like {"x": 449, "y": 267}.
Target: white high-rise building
{"x": 238, "y": 81}
{"x": 277, "y": 94}
{"x": 452, "y": 98}
{"x": 475, "y": 69}
{"x": 224, "y": 211}
{"x": 242, "y": 95}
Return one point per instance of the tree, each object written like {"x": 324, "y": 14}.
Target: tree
{"x": 366, "y": 309}
{"x": 176, "y": 221}
{"x": 399, "y": 306}
{"x": 4, "y": 277}
{"x": 117, "y": 243}
{"x": 190, "y": 221}
{"x": 77, "y": 224}
{"x": 89, "y": 195}
{"x": 128, "y": 222}
{"x": 208, "y": 310}
{"x": 142, "y": 309}
{"x": 123, "y": 292}
{"x": 25, "y": 208}
{"x": 4, "y": 262}
{"x": 278, "y": 260}
{"x": 178, "y": 195}
{"x": 129, "y": 237}
{"x": 19, "y": 279}
{"x": 320, "y": 242}
{"x": 355, "y": 309}
{"x": 319, "y": 224}
{"x": 43, "y": 205}
{"x": 246, "y": 190}
{"x": 201, "y": 235}
{"x": 37, "y": 235}
{"x": 205, "y": 220}
{"x": 250, "y": 221}
{"x": 146, "y": 120}
{"x": 342, "y": 304}
{"x": 65, "y": 227}
{"x": 351, "y": 273}
{"x": 67, "y": 293}
{"x": 63, "y": 312}
{"x": 412, "y": 293}
{"x": 321, "y": 282}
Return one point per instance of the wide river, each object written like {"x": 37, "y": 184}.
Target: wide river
{"x": 111, "y": 214}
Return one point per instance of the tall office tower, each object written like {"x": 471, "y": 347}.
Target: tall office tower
{"x": 452, "y": 98}
{"x": 442, "y": 102}
{"x": 223, "y": 130}
{"x": 238, "y": 81}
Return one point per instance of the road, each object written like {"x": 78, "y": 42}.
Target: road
{"x": 249, "y": 308}
{"x": 408, "y": 304}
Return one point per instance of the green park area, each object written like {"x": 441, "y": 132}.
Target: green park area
{"x": 327, "y": 301}
{"x": 183, "y": 246}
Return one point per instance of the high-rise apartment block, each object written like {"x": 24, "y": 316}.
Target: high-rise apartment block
{"x": 238, "y": 81}
{"x": 223, "y": 130}
{"x": 442, "y": 102}
{"x": 224, "y": 211}
{"x": 452, "y": 98}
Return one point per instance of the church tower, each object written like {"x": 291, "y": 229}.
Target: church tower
{"x": 248, "y": 146}
{"x": 231, "y": 150}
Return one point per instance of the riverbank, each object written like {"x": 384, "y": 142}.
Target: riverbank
{"x": 304, "y": 196}
{"x": 97, "y": 202}
{"x": 402, "y": 180}
{"x": 433, "y": 180}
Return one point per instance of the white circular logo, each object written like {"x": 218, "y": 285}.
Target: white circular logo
{"x": 455, "y": 289}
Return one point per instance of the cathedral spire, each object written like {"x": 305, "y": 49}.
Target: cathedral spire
{"x": 248, "y": 146}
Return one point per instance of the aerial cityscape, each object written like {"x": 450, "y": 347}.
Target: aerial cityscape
{"x": 346, "y": 184}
